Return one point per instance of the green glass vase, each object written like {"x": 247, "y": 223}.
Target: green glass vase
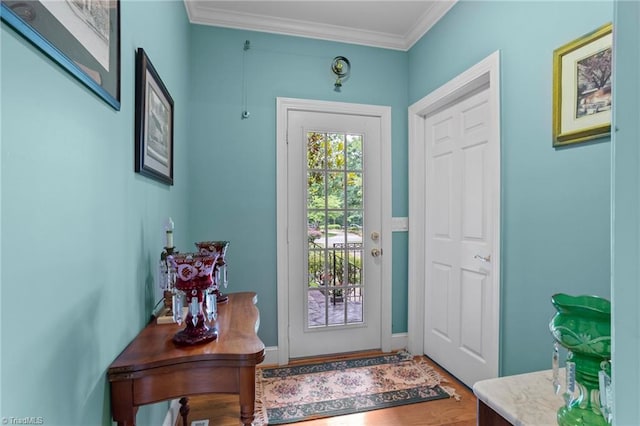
{"x": 582, "y": 325}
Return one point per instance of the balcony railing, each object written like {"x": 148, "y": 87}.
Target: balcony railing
{"x": 342, "y": 282}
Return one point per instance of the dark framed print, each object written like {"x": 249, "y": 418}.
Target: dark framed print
{"x": 82, "y": 36}
{"x": 154, "y": 123}
{"x": 582, "y": 88}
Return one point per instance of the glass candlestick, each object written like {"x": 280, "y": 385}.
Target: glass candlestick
{"x": 220, "y": 270}
{"x": 194, "y": 280}
{"x": 166, "y": 281}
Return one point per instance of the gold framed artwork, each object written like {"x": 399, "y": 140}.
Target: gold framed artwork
{"x": 582, "y": 71}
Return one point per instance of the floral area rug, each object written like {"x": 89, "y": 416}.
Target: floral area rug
{"x": 303, "y": 392}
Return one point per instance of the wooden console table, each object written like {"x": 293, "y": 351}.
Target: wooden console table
{"x": 153, "y": 369}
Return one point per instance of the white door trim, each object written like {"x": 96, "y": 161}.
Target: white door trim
{"x": 283, "y": 106}
{"x": 486, "y": 72}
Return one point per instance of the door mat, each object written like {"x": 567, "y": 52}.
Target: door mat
{"x": 303, "y": 392}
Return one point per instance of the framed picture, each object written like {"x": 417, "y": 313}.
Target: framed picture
{"x": 582, "y": 88}
{"x": 82, "y": 36}
{"x": 154, "y": 123}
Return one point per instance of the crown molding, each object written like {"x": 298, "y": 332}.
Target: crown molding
{"x": 427, "y": 21}
{"x": 200, "y": 13}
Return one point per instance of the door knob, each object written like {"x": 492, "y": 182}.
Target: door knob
{"x": 375, "y": 252}
{"x": 483, "y": 259}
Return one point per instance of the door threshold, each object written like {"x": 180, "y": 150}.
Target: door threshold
{"x": 337, "y": 356}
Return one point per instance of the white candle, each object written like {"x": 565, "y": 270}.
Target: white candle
{"x": 169, "y": 228}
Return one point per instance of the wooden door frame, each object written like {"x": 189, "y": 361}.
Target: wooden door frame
{"x": 485, "y": 73}
{"x": 283, "y": 106}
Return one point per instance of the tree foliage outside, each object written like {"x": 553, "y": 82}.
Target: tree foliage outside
{"x": 334, "y": 180}
{"x": 334, "y": 204}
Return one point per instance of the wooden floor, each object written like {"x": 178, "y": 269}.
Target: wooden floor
{"x": 224, "y": 409}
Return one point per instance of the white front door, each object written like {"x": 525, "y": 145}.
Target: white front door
{"x": 459, "y": 249}
{"x": 335, "y": 232}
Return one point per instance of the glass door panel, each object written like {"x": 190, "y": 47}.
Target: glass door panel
{"x": 335, "y": 218}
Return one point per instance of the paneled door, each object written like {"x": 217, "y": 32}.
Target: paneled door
{"x": 459, "y": 251}
{"x": 334, "y": 236}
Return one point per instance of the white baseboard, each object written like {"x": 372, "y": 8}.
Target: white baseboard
{"x": 399, "y": 341}
{"x": 270, "y": 356}
{"x": 172, "y": 414}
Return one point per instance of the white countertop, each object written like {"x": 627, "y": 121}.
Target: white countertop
{"x": 523, "y": 399}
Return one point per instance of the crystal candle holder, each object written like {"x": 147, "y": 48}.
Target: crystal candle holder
{"x": 193, "y": 281}
{"x": 582, "y": 325}
{"x": 218, "y": 248}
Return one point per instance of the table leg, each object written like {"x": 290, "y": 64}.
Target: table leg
{"x": 247, "y": 394}
{"x": 122, "y": 408}
{"x": 184, "y": 410}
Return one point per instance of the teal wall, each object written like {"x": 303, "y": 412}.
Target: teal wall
{"x": 69, "y": 195}
{"x": 81, "y": 232}
{"x": 555, "y": 202}
{"x": 626, "y": 211}
{"x": 233, "y": 160}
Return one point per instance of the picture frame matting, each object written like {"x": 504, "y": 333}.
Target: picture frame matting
{"x": 153, "y": 123}
{"x": 582, "y": 92}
